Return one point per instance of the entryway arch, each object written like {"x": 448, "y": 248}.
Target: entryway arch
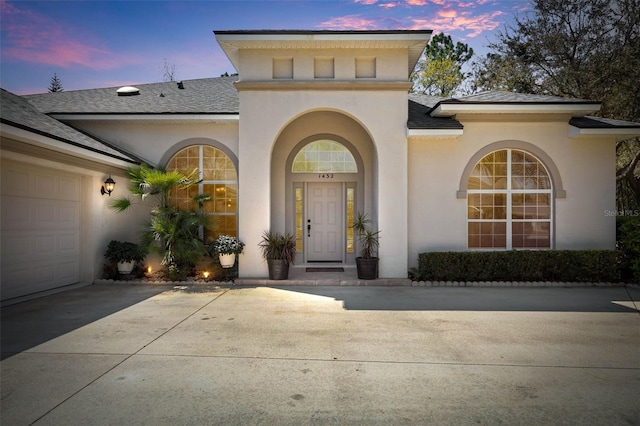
{"x": 316, "y": 204}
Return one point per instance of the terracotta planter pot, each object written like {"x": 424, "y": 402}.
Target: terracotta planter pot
{"x": 227, "y": 260}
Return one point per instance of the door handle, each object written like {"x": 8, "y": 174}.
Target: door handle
{"x": 309, "y": 228}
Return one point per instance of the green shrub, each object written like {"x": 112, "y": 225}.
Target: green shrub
{"x": 520, "y": 265}
{"x": 628, "y": 244}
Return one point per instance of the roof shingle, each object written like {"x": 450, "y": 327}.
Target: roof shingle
{"x": 200, "y": 96}
{"x": 17, "y": 111}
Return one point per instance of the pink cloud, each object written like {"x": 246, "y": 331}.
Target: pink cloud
{"x": 447, "y": 13}
{"x": 367, "y": 2}
{"x": 350, "y": 22}
{"x": 416, "y": 2}
{"x": 31, "y": 37}
{"x": 388, "y": 5}
{"x": 473, "y": 25}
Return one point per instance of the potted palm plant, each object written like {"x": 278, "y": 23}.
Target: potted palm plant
{"x": 226, "y": 247}
{"x": 174, "y": 233}
{"x": 367, "y": 262}
{"x": 279, "y": 250}
{"x": 124, "y": 254}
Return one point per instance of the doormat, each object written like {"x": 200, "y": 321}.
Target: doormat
{"x": 325, "y": 269}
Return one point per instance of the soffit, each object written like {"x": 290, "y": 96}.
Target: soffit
{"x": 233, "y": 42}
{"x": 574, "y": 109}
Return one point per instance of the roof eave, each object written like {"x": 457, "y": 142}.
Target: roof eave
{"x": 434, "y": 133}
{"x": 232, "y": 117}
{"x": 232, "y": 42}
{"x": 57, "y": 144}
{"x": 575, "y": 109}
{"x": 621, "y": 133}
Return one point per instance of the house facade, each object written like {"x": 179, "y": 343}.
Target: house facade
{"x": 315, "y": 127}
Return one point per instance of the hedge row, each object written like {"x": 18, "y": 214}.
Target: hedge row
{"x": 628, "y": 244}
{"x": 543, "y": 265}
{"x": 623, "y": 264}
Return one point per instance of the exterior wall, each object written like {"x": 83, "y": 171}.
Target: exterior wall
{"x": 152, "y": 140}
{"x": 437, "y": 218}
{"x": 98, "y": 223}
{"x": 303, "y": 127}
{"x": 256, "y": 65}
{"x": 265, "y": 115}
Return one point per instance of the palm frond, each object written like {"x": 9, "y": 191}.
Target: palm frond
{"x": 121, "y": 204}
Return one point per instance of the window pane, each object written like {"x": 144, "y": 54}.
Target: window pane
{"x": 531, "y": 235}
{"x": 324, "y": 156}
{"x": 351, "y": 200}
{"x": 473, "y": 206}
{"x": 217, "y": 172}
{"x": 529, "y": 224}
{"x": 487, "y": 234}
{"x": 299, "y": 220}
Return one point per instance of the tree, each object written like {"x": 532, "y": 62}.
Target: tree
{"x": 55, "y": 85}
{"x": 439, "y": 71}
{"x": 168, "y": 71}
{"x": 173, "y": 232}
{"x": 587, "y": 49}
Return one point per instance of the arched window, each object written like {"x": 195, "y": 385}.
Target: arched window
{"x": 219, "y": 181}
{"x": 324, "y": 156}
{"x": 509, "y": 202}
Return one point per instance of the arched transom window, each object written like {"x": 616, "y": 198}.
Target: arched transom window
{"x": 219, "y": 181}
{"x": 509, "y": 202}
{"x": 324, "y": 156}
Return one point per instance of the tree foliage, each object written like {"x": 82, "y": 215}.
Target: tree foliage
{"x": 174, "y": 233}
{"x": 439, "y": 72}
{"x": 55, "y": 85}
{"x": 587, "y": 49}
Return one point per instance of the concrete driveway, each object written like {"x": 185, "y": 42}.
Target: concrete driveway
{"x": 150, "y": 355}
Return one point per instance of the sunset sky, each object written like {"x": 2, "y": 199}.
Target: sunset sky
{"x": 91, "y": 44}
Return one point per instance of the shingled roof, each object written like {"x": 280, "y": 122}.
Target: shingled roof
{"x": 514, "y": 98}
{"x": 200, "y": 96}
{"x": 17, "y": 111}
{"x": 219, "y": 96}
{"x": 602, "y": 123}
{"x": 419, "y": 118}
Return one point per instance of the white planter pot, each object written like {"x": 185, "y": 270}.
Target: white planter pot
{"x": 126, "y": 267}
{"x": 227, "y": 260}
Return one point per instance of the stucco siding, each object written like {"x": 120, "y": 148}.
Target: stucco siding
{"x": 152, "y": 140}
{"x": 270, "y": 117}
{"x": 586, "y": 168}
{"x": 257, "y": 65}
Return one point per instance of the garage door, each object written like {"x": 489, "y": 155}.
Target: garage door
{"x": 40, "y": 229}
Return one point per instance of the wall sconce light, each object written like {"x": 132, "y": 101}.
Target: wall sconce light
{"x": 108, "y": 187}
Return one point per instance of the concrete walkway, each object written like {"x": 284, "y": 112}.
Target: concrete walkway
{"x": 191, "y": 355}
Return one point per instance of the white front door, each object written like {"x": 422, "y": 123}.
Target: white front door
{"x": 324, "y": 227}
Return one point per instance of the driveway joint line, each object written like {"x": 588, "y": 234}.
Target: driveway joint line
{"x": 127, "y": 357}
{"x": 338, "y": 360}
{"x": 635, "y": 303}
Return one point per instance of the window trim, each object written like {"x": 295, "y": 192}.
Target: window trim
{"x": 509, "y": 192}
{"x": 201, "y": 143}
{"x": 345, "y": 149}
{"x": 554, "y": 174}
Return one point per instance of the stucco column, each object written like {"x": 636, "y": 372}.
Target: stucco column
{"x": 254, "y": 153}
{"x": 392, "y": 183}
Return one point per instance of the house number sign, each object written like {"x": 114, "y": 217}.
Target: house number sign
{"x": 325, "y": 175}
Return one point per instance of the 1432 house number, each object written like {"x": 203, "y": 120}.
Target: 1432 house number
{"x": 325, "y": 175}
